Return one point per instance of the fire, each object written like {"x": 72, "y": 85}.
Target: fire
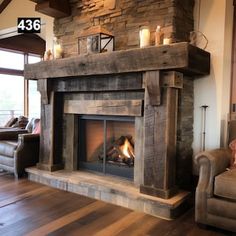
{"x": 127, "y": 149}
{"x": 121, "y": 151}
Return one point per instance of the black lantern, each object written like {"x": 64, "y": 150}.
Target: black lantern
{"x": 96, "y": 40}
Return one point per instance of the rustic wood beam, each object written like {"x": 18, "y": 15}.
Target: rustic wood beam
{"x": 44, "y": 87}
{"x": 152, "y": 80}
{"x": 159, "y": 148}
{"x": 179, "y": 56}
{"x": 4, "y": 4}
{"x": 54, "y": 8}
{"x": 172, "y": 79}
{"x": 104, "y": 107}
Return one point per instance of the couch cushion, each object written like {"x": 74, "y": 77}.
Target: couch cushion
{"x": 222, "y": 207}
{"x": 7, "y": 148}
{"x": 225, "y": 184}
{"x": 32, "y": 124}
{"x": 6, "y": 162}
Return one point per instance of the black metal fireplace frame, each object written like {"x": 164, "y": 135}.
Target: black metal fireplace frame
{"x": 121, "y": 171}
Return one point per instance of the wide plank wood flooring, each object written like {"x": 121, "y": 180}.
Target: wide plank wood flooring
{"x": 28, "y": 208}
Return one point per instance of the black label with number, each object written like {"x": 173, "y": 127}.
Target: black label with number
{"x": 28, "y": 25}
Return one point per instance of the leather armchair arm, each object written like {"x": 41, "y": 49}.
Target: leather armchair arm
{"x": 27, "y": 152}
{"x": 211, "y": 163}
{"x": 28, "y": 137}
{"x": 7, "y": 134}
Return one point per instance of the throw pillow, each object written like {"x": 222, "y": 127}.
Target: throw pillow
{"x": 232, "y": 146}
{"x": 29, "y": 126}
{"x": 36, "y": 130}
{"x": 21, "y": 122}
{"x": 11, "y": 122}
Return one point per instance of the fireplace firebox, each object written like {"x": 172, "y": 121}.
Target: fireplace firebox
{"x": 106, "y": 145}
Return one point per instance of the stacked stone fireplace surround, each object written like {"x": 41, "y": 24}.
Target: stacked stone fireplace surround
{"x": 163, "y": 89}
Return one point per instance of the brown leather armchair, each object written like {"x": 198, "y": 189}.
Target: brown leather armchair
{"x": 18, "y": 150}
{"x": 216, "y": 190}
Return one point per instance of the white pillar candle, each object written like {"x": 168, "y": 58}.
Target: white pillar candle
{"x": 166, "y": 41}
{"x": 144, "y": 36}
{"x": 57, "y": 51}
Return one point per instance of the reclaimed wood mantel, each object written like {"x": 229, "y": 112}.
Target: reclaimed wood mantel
{"x": 182, "y": 57}
{"x": 144, "y": 83}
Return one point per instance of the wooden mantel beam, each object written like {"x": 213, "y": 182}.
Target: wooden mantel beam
{"x": 182, "y": 57}
{"x": 54, "y": 8}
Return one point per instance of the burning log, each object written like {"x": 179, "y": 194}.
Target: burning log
{"x": 120, "y": 151}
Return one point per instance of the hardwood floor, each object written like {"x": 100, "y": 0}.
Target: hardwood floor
{"x": 28, "y": 208}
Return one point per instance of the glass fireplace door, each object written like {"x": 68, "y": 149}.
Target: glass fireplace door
{"x": 106, "y": 145}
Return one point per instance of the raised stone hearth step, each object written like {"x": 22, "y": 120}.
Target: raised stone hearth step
{"x": 113, "y": 190}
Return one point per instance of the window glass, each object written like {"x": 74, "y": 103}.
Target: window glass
{"x": 34, "y": 100}
{"x": 11, "y": 97}
{"x": 33, "y": 59}
{"x": 11, "y": 60}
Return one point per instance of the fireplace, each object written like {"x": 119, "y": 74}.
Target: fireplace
{"x": 140, "y": 88}
{"x": 106, "y": 145}
{"x": 143, "y": 95}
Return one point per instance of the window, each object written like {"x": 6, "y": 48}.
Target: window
{"x": 17, "y": 96}
{"x": 11, "y": 97}
{"x": 34, "y": 95}
{"x": 11, "y": 60}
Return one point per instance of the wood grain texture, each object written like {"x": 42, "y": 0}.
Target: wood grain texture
{"x": 172, "y": 79}
{"x": 50, "y": 135}
{"x": 104, "y": 107}
{"x": 160, "y": 124}
{"x": 120, "y": 82}
{"x": 181, "y": 56}
{"x": 41, "y": 210}
{"x": 152, "y": 80}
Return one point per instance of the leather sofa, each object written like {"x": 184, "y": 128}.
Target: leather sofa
{"x": 18, "y": 149}
{"x": 215, "y": 200}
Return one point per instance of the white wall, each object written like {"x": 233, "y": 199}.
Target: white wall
{"x": 25, "y": 8}
{"x": 216, "y": 22}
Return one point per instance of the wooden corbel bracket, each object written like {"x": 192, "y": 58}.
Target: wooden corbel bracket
{"x": 44, "y": 87}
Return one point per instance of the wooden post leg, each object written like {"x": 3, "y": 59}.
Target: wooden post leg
{"x": 160, "y": 124}
{"x": 48, "y": 158}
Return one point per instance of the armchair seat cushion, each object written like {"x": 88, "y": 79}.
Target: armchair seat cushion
{"x": 225, "y": 184}
{"x": 7, "y": 148}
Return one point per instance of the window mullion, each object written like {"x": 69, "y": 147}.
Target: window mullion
{"x": 26, "y": 89}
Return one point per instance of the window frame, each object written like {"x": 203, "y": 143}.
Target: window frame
{"x": 17, "y": 72}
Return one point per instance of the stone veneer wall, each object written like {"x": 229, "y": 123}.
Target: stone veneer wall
{"x": 176, "y": 19}
{"x": 174, "y": 16}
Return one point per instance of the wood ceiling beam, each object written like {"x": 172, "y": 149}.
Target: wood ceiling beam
{"x": 4, "y": 4}
{"x": 54, "y": 8}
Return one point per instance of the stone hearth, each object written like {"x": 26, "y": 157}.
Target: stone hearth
{"x": 140, "y": 83}
{"x": 113, "y": 190}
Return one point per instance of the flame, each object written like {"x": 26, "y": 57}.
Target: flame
{"x": 126, "y": 150}
{"x": 125, "y": 147}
